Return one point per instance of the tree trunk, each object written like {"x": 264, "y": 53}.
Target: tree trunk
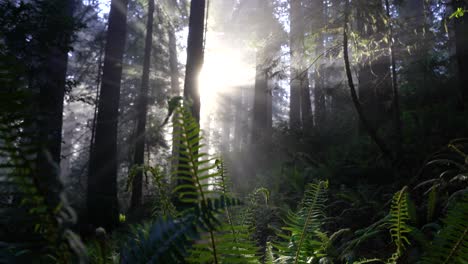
{"x": 102, "y": 180}
{"x": 175, "y": 88}
{"x": 296, "y": 35}
{"x": 259, "y": 122}
{"x": 142, "y": 109}
{"x": 195, "y": 53}
{"x": 396, "y": 99}
{"x": 461, "y": 45}
{"x": 52, "y": 85}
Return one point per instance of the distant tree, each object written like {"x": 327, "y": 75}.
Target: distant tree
{"x": 142, "y": 109}
{"x": 300, "y": 103}
{"x": 295, "y": 45}
{"x": 102, "y": 200}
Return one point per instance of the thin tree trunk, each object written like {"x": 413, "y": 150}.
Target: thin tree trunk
{"x": 102, "y": 180}
{"x": 396, "y": 101}
{"x": 142, "y": 109}
{"x": 295, "y": 82}
{"x": 366, "y": 125}
{"x": 175, "y": 89}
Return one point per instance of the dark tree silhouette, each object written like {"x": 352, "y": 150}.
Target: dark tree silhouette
{"x": 102, "y": 179}
{"x": 142, "y": 109}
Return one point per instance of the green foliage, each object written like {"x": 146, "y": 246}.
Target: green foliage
{"x": 44, "y": 232}
{"x": 398, "y": 221}
{"x": 451, "y": 243}
{"x": 458, "y": 13}
{"x": 303, "y": 243}
{"x": 202, "y": 186}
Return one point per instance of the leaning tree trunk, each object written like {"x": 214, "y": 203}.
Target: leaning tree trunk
{"x": 102, "y": 179}
{"x": 142, "y": 109}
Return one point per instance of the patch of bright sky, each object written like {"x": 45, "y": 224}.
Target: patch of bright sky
{"x": 104, "y": 7}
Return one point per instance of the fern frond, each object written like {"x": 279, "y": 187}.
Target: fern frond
{"x": 398, "y": 221}
{"x": 451, "y": 243}
{"x": 303, "y": 227}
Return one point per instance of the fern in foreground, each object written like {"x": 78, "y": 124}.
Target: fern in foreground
{"x": 399, "y": 218}
{"x": 303, "y": 242}
{"x": 451, "y": 243}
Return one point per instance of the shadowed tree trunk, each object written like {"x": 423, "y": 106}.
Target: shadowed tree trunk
{"x": 142, "y": 109}
{"x": 102, "y": 180}
{"x": 461, "y": 45}
{"x": 396, "y": 99}
{"x": 52, "y": 84}
{"x": 195, "y": 55}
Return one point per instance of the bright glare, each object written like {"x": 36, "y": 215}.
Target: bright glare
{"x": 223, "y": 71}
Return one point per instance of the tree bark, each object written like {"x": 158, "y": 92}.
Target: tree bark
{"x": 295, "y": 50}
{"x": 461, "y": 46}
{"x": 396, "y": 101}
{"x": 142, "y": 109}
{"x": 175, "y": 88}
{"x": 195, "y": 53}
{"x": 102, "y": 180}
{"x": 52, "y": 85}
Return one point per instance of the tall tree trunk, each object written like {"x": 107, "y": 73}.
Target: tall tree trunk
{"x": 142, "y": 109}
{"x": 396, "y": 99}
{"x": 52, "y": 85}
{"x": 195, "y": 53}
{"x": 102, "y": 180}
{"x": 96, "y": 100}
{"x": 175, "y": 88}
{"x": 306, "y": 104}
{"x": 195, "y": 50}
{"x": 295, "y": 49}
{"x": 259, "y": 122}
{"x": 461, "y": 45}
{"x": 319, "y": 72}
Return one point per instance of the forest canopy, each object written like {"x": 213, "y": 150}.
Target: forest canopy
{"x": 234, "y": 131}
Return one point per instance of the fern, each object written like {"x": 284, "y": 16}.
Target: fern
{"x": 451, "y": 243}
{"x": 202, "y": 188}
{"x": 398, "y": 221}
{"x": 233, "y": 240}
{"x": 303, "y": 242}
